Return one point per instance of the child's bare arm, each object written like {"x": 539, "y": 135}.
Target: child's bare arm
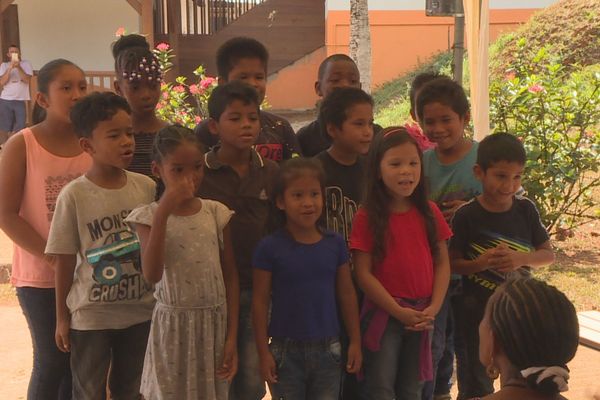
{"x": 346, "y": 296}
{"x": 507, "y": 260}
{"x": 152, "y": 243}
{"x": 13, "y": 169}
{"x": 232, "y": 292}
{"x": 375, "y": 292}
{"x": 261, "y": 297}
{"x": 441, "y": 279}
{"x": 63, "y": 279}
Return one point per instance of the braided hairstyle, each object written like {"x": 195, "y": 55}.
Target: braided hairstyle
{"x": 168, "y": 139}
{"x": 536, "y": 326}
{"x": 377, "y": 199}
{"x": 134, "y": 60}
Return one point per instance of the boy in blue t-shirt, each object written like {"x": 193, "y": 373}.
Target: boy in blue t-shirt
{"x": 497, "y": 235}
{"x": 443, "y": 112}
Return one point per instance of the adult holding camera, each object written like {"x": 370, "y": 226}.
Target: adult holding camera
{"x": 15, "y": 75}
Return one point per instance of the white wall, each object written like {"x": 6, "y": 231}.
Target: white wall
{"x": 78, "y": 30}
{"x": 420, "y": 4}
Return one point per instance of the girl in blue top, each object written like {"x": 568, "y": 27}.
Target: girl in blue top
{"x": 304, "y": 272}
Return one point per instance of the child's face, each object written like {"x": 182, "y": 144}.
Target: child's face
{"x": 185, "y": 161}
{"x": 400, "y": 169}
{"x": 342, "y": 73}
{"x": 302, "y": 201}
{"x": 67, "y": 86}
{"x": 238, "y": 126}
{"x": 112, "y": 142}
{"x": 251, "y": 71}
{"x": 443, "y": 126}
{"x": 142, "y": 95}
{"x": 356, "y": 133}
{"x": 500, "y": 182}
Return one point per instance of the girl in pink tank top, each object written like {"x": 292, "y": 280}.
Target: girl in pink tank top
{"x": 35, "y": 164}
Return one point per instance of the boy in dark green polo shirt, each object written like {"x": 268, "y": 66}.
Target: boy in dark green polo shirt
{"x": 237, "y": 176}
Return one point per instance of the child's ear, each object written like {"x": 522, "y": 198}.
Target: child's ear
{"x": 155, "y": 169}
{"x": 213, "y": 126}
{"x": 86, "y": 145}
{"x": 331, "y": 130}
{"x": 318, "y": 88}
{"x": 279, "y": 203}
{"x": 117, "y": 87}
{"x": 478, "y": 172}
{"x": 467, "y": 118}
{"x": 42, "y": 100}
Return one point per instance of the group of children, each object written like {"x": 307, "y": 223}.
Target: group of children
{"x": 240, "y": 262}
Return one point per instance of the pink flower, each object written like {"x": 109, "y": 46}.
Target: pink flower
{"x": 162, "y": 46}
{"x": 536, "y": 88}
{"x": 179, "y": 89}
{"x": 510, "y": 75}
{"x": 159, "y": 106}
{"x": 198, "y": 119}
{"x": 194, "y": 89}
{"x": 120, "y": 32}
{"x": 207, "y": 82}
{"x": 165, "y": 95}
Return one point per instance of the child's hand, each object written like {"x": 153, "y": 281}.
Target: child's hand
{"x": 450, "y": 208}
{"x": 412, "y": 318}
{"x": 507, "y": 260}
{"x": 61, "y": 335}
{"x": 230, "y": 361}
{"x": 268, "y": 368}
{"x": 178, "y": 190}
{"x": 485, "y": 259}
{"x": 354, "y": 358}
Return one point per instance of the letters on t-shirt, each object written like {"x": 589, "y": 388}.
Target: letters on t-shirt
{"x": 340, "y": 211}
{"x": 116, "y": 265}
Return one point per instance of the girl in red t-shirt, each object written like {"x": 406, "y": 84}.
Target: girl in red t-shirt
{"x": 401, "y": 261}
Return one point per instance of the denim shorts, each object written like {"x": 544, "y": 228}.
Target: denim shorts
{"x": 307, "y": 369}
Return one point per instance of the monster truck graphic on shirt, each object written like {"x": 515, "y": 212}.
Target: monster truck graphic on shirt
{"x": 107, "y": 261}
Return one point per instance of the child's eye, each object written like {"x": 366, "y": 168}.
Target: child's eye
{"x": 414, "y": 163}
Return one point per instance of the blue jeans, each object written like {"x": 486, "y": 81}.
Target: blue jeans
{"x": 92, "y": 352}
{"x": 471, "y": 374}
{"x": 12, "y": 115}
{"x": 247, "y": 383}
{"x": 51, "y": 375}
{"x": 393, "y": 371}
{"x": 307, "y": 370}
{"x": 442, "y": 347}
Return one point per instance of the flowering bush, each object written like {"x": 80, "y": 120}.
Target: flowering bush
{"x": 174, "y": 104}
{"x": 555, "y": 112}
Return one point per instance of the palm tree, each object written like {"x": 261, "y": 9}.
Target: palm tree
{"x": 360, "y": 40}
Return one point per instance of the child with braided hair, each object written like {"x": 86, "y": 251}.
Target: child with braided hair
{"x": 528, "y": 334}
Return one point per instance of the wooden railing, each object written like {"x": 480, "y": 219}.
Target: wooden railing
{"x": 198, "y": 17}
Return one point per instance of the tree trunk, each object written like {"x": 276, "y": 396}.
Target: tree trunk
{"x": 360, "y": 41}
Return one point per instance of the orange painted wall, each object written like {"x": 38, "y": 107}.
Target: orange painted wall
{"x": 293, "y": 86}
{"x": 400, "y": 39}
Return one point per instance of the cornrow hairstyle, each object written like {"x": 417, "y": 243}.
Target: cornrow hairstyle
{"x": 445, "y": 91}
{"x": 335, "y": 106}
{"x": 166, "y": 141}
{"x": 498, "y": 147}
{"x": 237, "y": 48}
{"x": 419, "y": 81}
{"x": 45, "y": 76}
{"x": 289, "y": 171}
{"x": 331, "y": 59}
{"x": 223, "y": 95}
{"x": 377, "y": 199}
{"x": 536, "y": 325}
{"x": 94, "y": 108}
{"x": 134, "y": 60}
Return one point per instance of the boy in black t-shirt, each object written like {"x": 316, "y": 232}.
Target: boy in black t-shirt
{"x": 347, "y": 116}
{"x": 245, "y": 59}
{"x": 337, "y": 70}
{"x": 496, "y": 235}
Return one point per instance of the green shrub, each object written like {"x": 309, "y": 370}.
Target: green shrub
{"x": 556, "y": 114}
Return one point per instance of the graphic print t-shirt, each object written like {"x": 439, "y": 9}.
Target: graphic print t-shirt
{"x": 476, "y": 230}
{"x": 108, "y": 291}
{"x": 343, "y": 192}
